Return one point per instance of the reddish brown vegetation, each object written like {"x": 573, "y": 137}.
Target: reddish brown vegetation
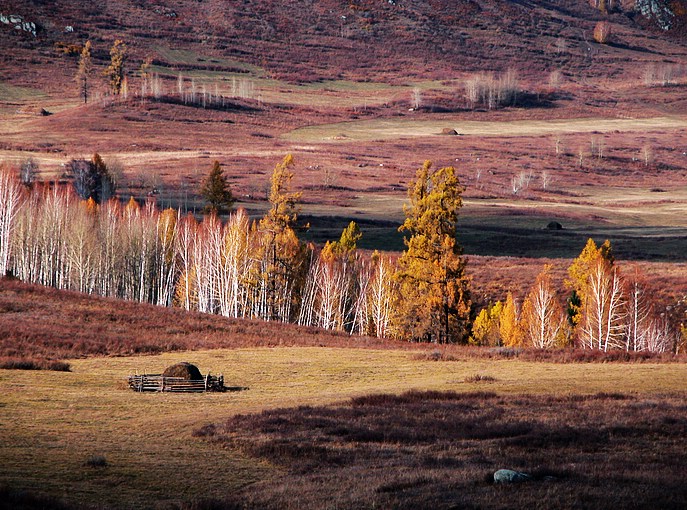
{"x": 39, "y": 325}
{"x": 440, "y": 450}
{"x": 602, "y": 32}
{"x": 464, "y": 353}
{"x": 427, "y": 39}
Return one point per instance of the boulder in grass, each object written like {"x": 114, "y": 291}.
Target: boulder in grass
{"x": 449, "y": 131}
{"x": 510, "y": 476}
{"x": 554, "y": 225}
{"x": 183, "y": 370}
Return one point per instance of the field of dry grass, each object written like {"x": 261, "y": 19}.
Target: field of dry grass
{"x": 59, "y": 421}
{"x": 409, "y": 128}
{"x": 82, "y": 437}
{"x": 441, "y": 449}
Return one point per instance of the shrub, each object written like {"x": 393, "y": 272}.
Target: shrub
{"x": 11, "y": 363}
{"x": 602, "y": 32}
{"x": 479, "y": 378}
{"x": 493, "y": 92}
{"x": 96, "y": 461}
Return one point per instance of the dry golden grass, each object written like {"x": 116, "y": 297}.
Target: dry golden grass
{"x": 55, "y": 422}
{"x": 390, "y": 129}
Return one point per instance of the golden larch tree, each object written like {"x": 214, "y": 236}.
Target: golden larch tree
{"x": 509, "y": 324}
{"x": 578, "y": 277}
{"x": 435, "y": 298}
{"x": 83, "y": 75}
{"x": 281, "y": 252}
{"x": 115, "y": 72}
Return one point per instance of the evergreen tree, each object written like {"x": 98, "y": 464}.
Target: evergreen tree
{"x": 85, "y": 69}
{"x": 91, "y": 179}
{"x": 216, "y": 191}
{"x": 435, "y": 297}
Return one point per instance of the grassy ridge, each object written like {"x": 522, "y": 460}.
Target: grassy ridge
{"x": 41, "y": 325}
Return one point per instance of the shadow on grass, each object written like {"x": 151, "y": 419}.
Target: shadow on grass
{"x": 440, "y": 450}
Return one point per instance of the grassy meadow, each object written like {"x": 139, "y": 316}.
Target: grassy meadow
{"x": 56, "y": 421}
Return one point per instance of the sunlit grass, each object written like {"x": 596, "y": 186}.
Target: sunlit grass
{"x": 14, "y": 93}
{"x": 391, "y": 129}
{"x": 54, "y": 422}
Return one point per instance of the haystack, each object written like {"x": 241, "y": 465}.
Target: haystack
{"x": 183, "y": 370}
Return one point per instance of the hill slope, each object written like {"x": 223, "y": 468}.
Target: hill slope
{"x": 359, "y": 39}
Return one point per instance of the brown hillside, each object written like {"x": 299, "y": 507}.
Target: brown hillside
{"x": 359, "y": 39}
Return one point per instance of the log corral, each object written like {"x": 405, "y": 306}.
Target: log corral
{"x": 179, "y": 378}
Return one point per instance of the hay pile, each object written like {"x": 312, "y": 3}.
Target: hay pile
{"x": 183, "y": 370}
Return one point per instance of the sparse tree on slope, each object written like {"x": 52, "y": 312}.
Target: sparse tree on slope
{"x": 83, "y": 75}
{"x": 115, "y": 72}
{"x": 216, "y": 191}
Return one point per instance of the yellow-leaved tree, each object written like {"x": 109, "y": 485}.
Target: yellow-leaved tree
{"x": 578, "y": 277}
{"x": 486, "y": 326}
{"x": 510, "y": 330}
{"x": 281, "y": 253}
{"x": 83, "y": 75}
{"x": 434, "y": 291}
{"x": 115, "y": 72}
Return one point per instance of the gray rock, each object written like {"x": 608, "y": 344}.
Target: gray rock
{"x": 657, "y": 11}
{"x": 29, "y": 27}
{"x": 510, "y": 476}
{"x": 15, "y": 19}
{"x": 4, "y": 19}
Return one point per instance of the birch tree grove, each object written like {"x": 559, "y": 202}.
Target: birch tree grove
{"x": 10, "y": 202}
{"x": 603, "y": 324}
{"x": 646, "y": 330}
{"x": 335, "y": 286}
{"x": 542, "y": 316}
{"x": 381, "y": 296}
{"x": 243, "y": 268}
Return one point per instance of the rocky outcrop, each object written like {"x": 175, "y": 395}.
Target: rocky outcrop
{"x": 18, "y": 22}
{"x": 656, "y": 11}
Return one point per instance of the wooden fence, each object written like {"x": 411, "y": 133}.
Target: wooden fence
{"x": 157, "y": 382}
